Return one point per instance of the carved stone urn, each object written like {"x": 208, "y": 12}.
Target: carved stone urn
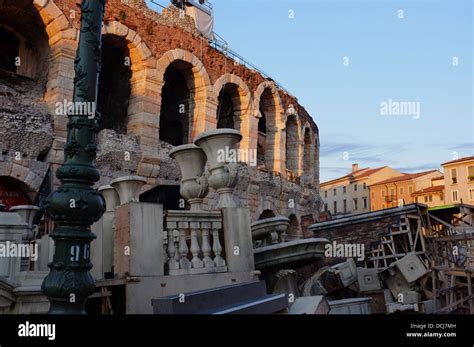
{"x": 220, "y": 148}
{"x": 128, "y": 188}
{"x": 194, "y": 186}
{"x": 270, "y": 230}
{"x": 111, "y": 197}
{"x": 27, "y": 214}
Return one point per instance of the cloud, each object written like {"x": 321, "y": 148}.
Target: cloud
{"x": 369, "y": 153}
{"x": 419, "y": 168}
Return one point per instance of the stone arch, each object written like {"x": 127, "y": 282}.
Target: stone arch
{"x": 144, "y": 103}
{"x": 63, "y": 39}
{"x": 242, "y": 101}
{"x": 202, "y": 106}
{"x": 292, "y": 142}
{"x": 267, "y": 99}
{"x": 28, "y": 179}
{"x": 49, "y": 59}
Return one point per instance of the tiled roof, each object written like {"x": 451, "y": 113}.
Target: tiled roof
{"x": 458, "y": 160}
{"x": 433, "y": 189}
{"x": 404, "y": 177}
{"x": 356, "y": 174}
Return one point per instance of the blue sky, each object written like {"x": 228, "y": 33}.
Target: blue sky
{"x": 407, "y": 59}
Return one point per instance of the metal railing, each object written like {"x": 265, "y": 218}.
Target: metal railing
{"x": 222, "y": 46}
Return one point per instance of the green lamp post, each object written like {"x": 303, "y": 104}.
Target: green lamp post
{"x": 75, "y": 205}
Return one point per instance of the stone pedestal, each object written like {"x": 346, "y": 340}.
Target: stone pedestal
{"x": 12, "y": 229}
{"x": 138, "y": 241}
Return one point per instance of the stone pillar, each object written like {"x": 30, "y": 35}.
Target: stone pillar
{"x": 102, "y": 249}
{"x": 238, "y": 239}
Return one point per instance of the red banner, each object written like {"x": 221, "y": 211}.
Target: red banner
{"x": 10, "y": 195}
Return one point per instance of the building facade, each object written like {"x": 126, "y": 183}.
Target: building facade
{"x": 400, "y": 190}
{"x": 162, "y": 83}
{"x": 459, "y": 180}
{"x": 349, "y": 194}
{"x": 432, "y": 196}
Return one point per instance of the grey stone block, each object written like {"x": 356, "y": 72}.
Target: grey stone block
{"x": 368, "y": 279}
{"x": 347, "y": 272}
{"x": 411, "y": 267}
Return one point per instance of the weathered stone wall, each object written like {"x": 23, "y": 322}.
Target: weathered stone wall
{"x": 155, "y": 42}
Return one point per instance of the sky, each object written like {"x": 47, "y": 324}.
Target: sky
{"x": 353, "y": 63}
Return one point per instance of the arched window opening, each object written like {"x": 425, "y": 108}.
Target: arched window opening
{"x": 262, "y": 136}
{"x": 9, "y": 47}
{"x": 229, "y": 108}
{"x": 266, "y": 214}
{"x": 175, "y": 107}
{"x": 114, "y": 84}
{"x": 24, "y": 46}
{"x": 292, "y": 144}
{"x": 266, "y": 127}
{"x": 307, "y": 152}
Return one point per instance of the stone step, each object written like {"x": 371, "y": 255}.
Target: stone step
{"x": 267, "y": 304}
{"x": 237, "y": 297}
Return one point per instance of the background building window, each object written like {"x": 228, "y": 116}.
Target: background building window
{"x": 355, "y": 204}
{"x": 334, "y": 191}
{"x": 401, "y": 190}
{"x": 410, "y": 189}
{"x": 455, "y": 195}
{"x": 325, "y": 193}
{"x": 365, "y": 202}
{"x": 344, "y": 190}
{"x": 471, "y": 194}
{"x": 365, "y": 185}
{"x": 454, "y": 176}
{"x": 355, "y": 187}
{"x": 470, "y": 173}
{"x": 335, "y": 207}
{"x": 344, "y": 205}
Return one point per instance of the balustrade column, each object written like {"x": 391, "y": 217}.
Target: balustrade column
{"x": 195, "y": 249}
{"x": 206, "y": 246}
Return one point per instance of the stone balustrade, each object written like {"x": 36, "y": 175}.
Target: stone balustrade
{"x": 192, "y": 242}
